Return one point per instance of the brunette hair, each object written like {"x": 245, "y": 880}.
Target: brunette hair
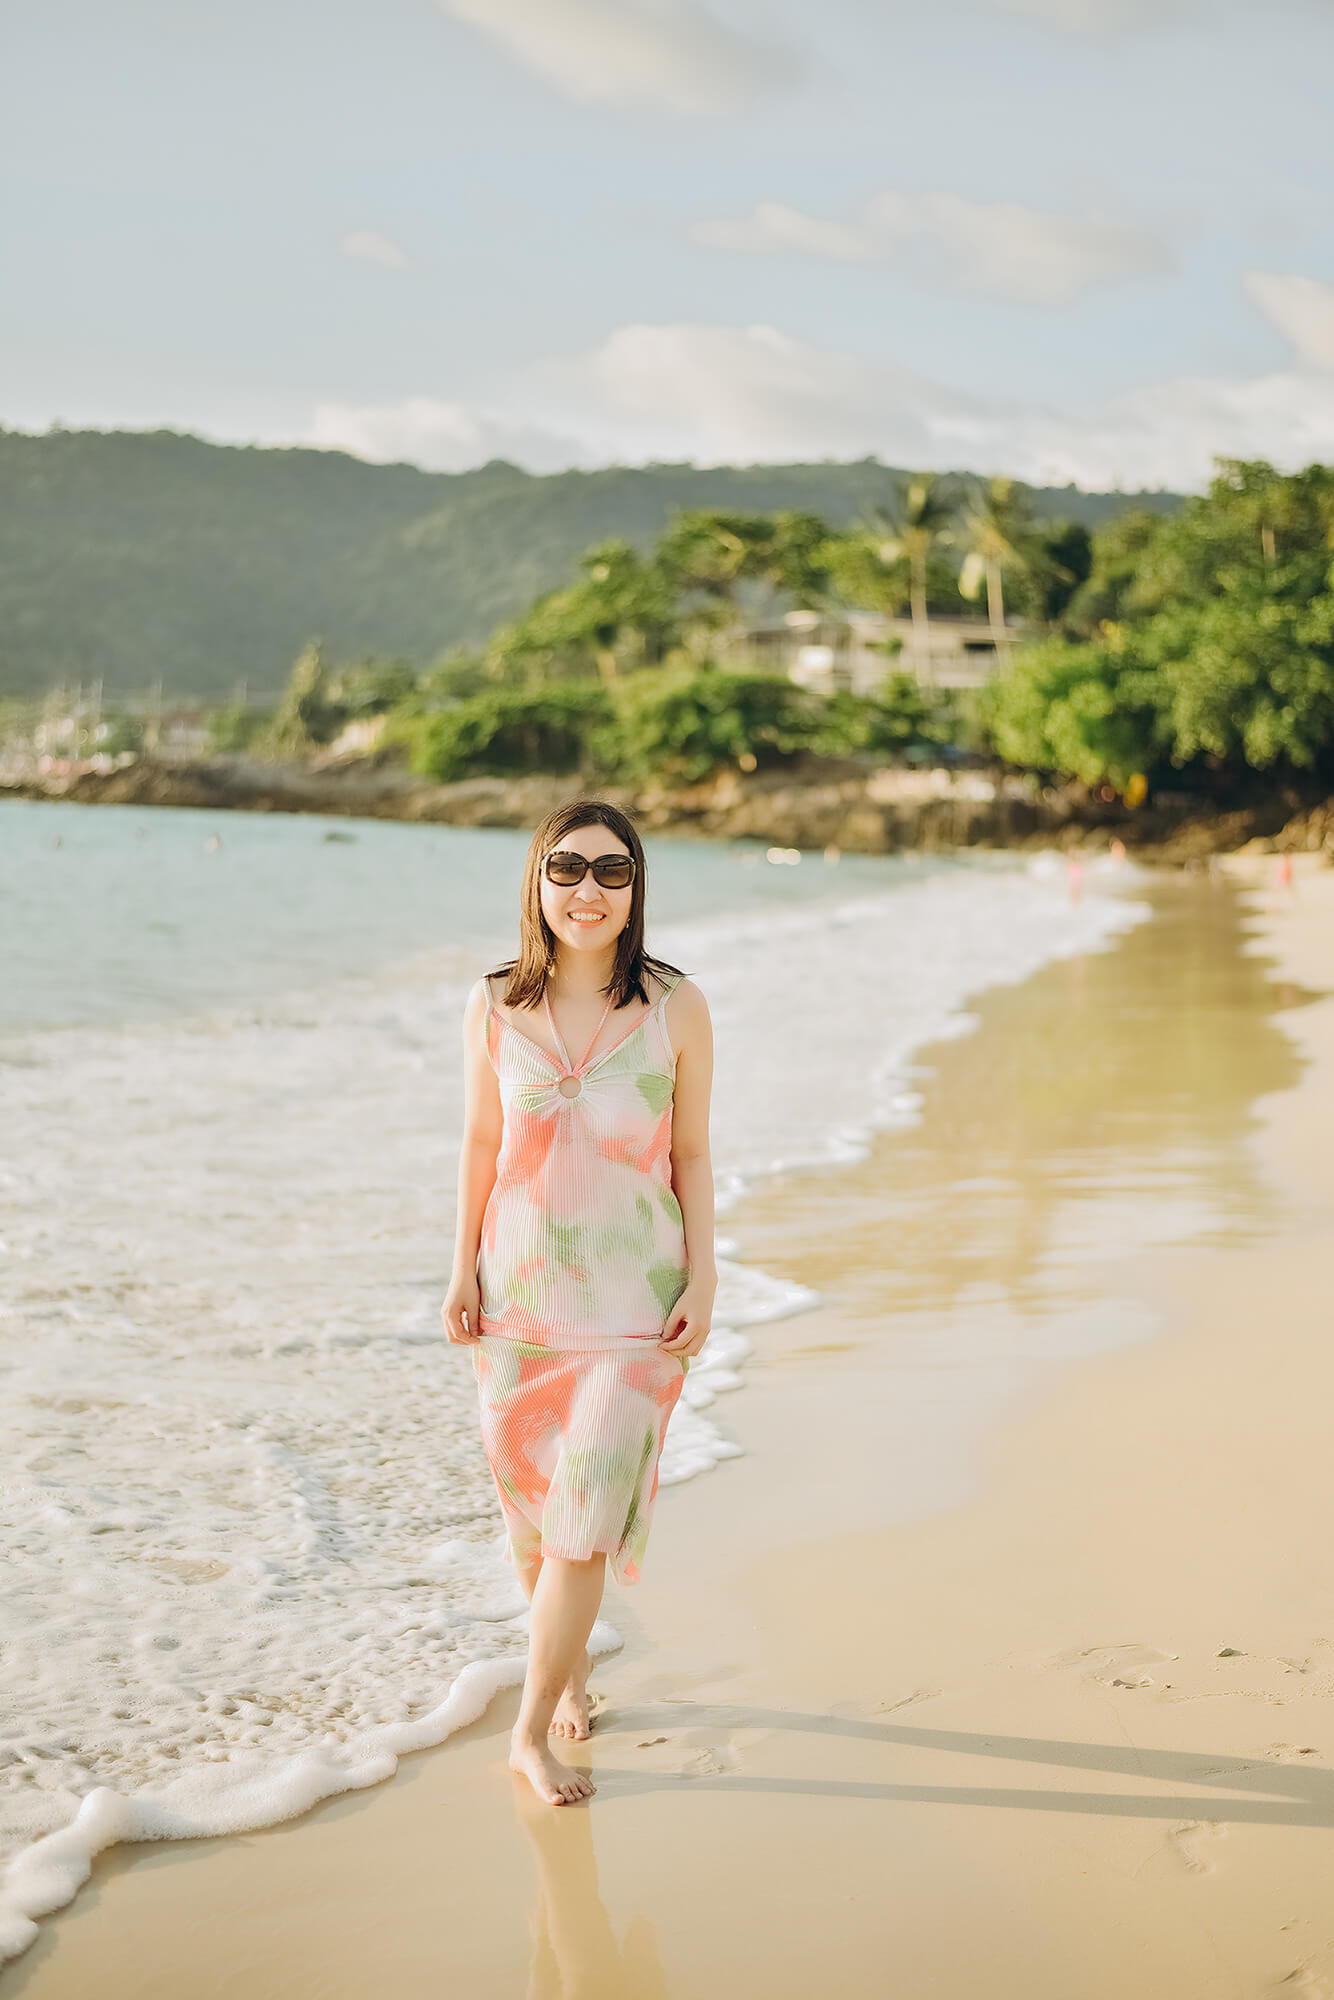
{"x": 526, "y": 976}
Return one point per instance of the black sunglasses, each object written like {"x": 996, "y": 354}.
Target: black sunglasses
{"x": 610, "y": 871}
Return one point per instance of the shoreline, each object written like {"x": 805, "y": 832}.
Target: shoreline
{"x": 826, "y": 804}
{"x": 1123, "y": 1514}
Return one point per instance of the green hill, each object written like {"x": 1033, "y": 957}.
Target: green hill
{"x": 138, "y": 556}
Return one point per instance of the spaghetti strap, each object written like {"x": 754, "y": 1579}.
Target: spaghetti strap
{"x": 659, "y": 1008}
{"x": 574, "y": 1069}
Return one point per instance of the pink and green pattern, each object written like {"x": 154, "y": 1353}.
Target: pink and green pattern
{"x": 574, "y": 1437}
{"x": 582, "y": 1241}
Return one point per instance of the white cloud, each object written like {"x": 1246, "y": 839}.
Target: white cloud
{"x": 754, "y": 394}
{"x": 997, "y": 250}
{"x": 669, "y": 53}
{"x": 367, "y": 246}
{"x": 441, "y": 436}
{"x": 1301, "y": 308}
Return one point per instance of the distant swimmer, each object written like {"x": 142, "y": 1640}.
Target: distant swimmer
{"x": 1074, "y": 875}
{"x": 213, "y": 843}
{"x": 1118, "y": 851}
{"x": 1285, "y": 873}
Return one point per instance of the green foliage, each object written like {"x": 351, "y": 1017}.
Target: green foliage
{"x": 118, "y": 733}
{"x": 1087, "y": 710}
{"x": 305, "y": 716}
{"x": 369, "y": 687}
{"x": 1060, "y": 563}
{"x": 454, "y": 678}
{"x": 869, "y": 572}
{"x": 711, "y": 551}
{"x": 138, "y": 556}
{"x": 236, "y": 726}
{"x": 1118, "y": 585}
{"x": 901, "y": 718}
{"x": 1248, "y": 680}
{"x": 507, "y": 730}
{"x": 1221, "y": 652}
{"x": 683, "y": 726}
{"x": 621, "y": 612}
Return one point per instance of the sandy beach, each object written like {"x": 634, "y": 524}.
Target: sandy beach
{"x": 1038, "y": 1702}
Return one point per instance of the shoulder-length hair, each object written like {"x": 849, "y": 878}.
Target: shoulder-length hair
{"x": 526, "y": 976}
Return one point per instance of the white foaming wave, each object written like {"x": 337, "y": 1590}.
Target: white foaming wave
{"x": 252, "y": 1531}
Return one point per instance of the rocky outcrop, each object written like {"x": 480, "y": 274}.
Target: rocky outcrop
{"x": 822, "y": 803}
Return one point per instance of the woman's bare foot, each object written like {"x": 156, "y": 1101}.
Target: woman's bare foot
{"x": 553, "y": 1781}
{"x": 573, "y": 1715}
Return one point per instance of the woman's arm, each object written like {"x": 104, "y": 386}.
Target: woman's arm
{"x": 483, "y": 1123}
{"x": 691, "y": 1033}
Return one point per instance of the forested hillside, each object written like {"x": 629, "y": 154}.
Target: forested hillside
{"x": 135, "y": 557}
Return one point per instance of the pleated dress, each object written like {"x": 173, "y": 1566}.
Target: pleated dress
{"x": 582, "y": 1258}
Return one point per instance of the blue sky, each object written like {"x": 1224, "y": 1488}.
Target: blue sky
{"x": 1088, "y": 239}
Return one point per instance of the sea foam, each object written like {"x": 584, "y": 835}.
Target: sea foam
{"x": 253, "y": 1544}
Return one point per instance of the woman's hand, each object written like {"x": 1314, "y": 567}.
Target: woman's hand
{"x": 461, "y": 1311}
{"x": 687, "y": 1326}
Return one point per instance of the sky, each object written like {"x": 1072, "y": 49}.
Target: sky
{"x": 1087, "y": 240}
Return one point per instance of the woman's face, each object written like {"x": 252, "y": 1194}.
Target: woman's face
{"x": 585, "y": 916}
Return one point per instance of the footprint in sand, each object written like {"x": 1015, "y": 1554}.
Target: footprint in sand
{"x": 1116, "y": 1666}
{"x": 1302, "y": 1981}
{"x": 1190, "y": 1840}
{"x": 714, "y": 1762}
{"x": 906, "y": 1701}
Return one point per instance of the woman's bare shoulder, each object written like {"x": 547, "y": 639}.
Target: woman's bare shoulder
{"x": 480, "y": 997}
{"x": 686, "y": 1005}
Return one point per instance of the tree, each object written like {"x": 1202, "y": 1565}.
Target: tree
{"x": 370, "y": 687}
{"x": 622, "y": 605}
{"x": 923, "y": 519}
{"x": 1219, "y": 658}
{"x": 708, "y": 554}
{"x": 305, "y": 716}
{"x": 1247, "y": 681}
{"x": 898, "y": 719}
{"x": 621, "y": 609}
{"x": 998, "y": 535}
{"x": 507, "y": 730}
{"x": 1119, "y": 583}
{"x": 1062, "y": 563}
{"x": 683, "y": 726}
{"x": 1088, "y": 710}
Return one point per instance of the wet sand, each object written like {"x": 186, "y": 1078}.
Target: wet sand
{"x": 1004, "y": 1662}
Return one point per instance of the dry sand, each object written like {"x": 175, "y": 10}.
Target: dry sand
{"x": 986, "y": 1671}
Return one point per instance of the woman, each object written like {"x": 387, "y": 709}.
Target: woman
{"x": 583, "y": 1266}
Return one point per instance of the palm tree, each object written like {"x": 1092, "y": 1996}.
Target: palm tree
{"x": 923, "y": 519}
{"x": 998, "y": 534}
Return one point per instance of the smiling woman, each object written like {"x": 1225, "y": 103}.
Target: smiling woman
{"x": 584, "y": 1267}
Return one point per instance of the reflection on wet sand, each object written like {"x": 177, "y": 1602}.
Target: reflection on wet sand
{"x": 575, "y": 1953}
{"x": 1107, "y": 1103}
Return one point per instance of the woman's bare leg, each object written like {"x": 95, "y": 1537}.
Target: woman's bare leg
{"x": 573, "y": 1717}
{"x": 565, "y": 1601}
